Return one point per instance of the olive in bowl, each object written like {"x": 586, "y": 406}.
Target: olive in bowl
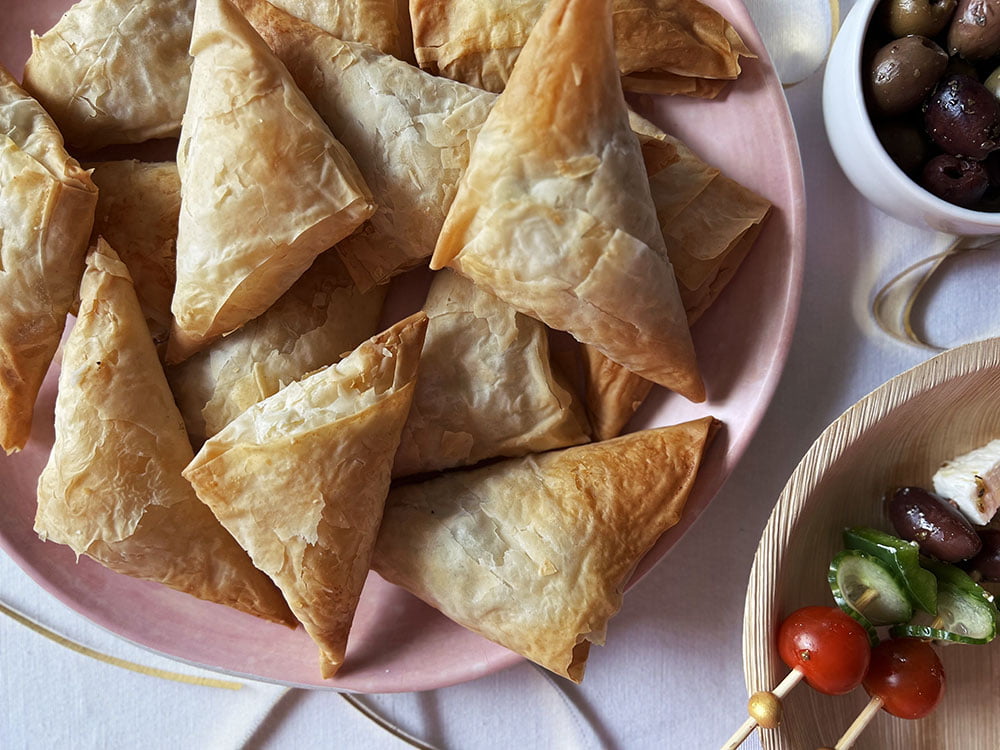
{"x": 898, "y": 172}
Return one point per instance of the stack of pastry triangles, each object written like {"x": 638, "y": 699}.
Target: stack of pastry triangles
{"x": 310, "y": 171}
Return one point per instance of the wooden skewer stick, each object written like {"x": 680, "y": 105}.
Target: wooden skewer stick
{"x": 765, "y": 709}
{"x": 858, "y": 726}
{"x": 870, "y": 595}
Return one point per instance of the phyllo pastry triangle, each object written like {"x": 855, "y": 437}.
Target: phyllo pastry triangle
{"x": 46, "y": 212}
{"x": 114, "y": 71}
{"x": 408, "y": 131}
{"x": 663, "y": 46}
{"x": 382, "y": 24}
{"x": 112, "y": 488}
{"x": 554, "y": 214}
{"x": 313, "y": 324}
{"x": 300, "y": 479}
{"x": 118, "y": 71}
{"x": 265, "y": 187}
{"x": 709, "y": 223}
{"x": 137, "y": 210}
{"x": 534, "y": 553}
{"x": 486, "y": 388}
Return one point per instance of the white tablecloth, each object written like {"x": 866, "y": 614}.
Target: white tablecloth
{"x": 671, "y": 676}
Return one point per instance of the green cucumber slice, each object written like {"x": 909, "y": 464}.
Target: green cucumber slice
{"x": 865, "y": 588}
{"x": 902, "y": 558}
{"x": 961, "y": 618}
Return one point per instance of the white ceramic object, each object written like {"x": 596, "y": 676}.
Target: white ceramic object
{"x": 861, "y": 156}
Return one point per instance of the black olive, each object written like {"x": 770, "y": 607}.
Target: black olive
{"x": 954, "y": 179}
{"x": 974, "y": 32}
{"x": 933, "y": 523}
{"x": 905, "y": 143}
{"x": 963, "y": 118}
{"x": 987, "y": 562}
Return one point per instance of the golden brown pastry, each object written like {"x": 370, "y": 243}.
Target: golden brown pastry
{"x": 265, "y": 187}
{"x": 314, "y": 323}
{"x": 662, "y": 46}
{"x": 382, "y": 24}
{"x": 112, "y": 487}
{"x": 709, "y": 223}
{"x": 408, "y": 131}
{"x": 300, "y": 479}
{"x": 486, "y": 385}
{"x": 554, "y": 214}
{"x": 137, "y": 211}
{"x": 118, "y": 71}
{"x": 46, "y": 212}
{"x": 114, "y": 71}
{"x": 534, "y": 553}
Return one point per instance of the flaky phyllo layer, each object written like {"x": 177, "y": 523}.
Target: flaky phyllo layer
{"x": 265, "y": 187}
{"x": 112, "y": 487}
{"x": 534, "y": 553}
{"x": 46, "y": 212}
{"x": 300, "y": 479}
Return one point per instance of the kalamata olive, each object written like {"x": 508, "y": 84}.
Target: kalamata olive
{"x": 924, "y": 17}
{"x": 955, "y": 179}
{"x": 974, "y": 32}
{"x": 904, "y": 71}
{"x": 987, "y": 562}
{"x": 963, "y": 118}
{"x": 905, "y": 143}
{"x": 933, "y": 523}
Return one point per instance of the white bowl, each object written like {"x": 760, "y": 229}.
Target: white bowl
{"x": 861, "y": 156}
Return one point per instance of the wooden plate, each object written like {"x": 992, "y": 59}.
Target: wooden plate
{"x": 897, "y": 435}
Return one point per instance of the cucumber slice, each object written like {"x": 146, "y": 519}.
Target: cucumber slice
{"x": 902, "y": 558}
{"x": 867, "y": 590}
{"x": 962, "y": 617}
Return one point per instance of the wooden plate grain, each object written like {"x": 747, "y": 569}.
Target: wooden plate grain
{"x": 897, "y": 435}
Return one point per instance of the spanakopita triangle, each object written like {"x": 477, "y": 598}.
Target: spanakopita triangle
{"x": 112, "y": 487}
{"x": 46, "y": 211}
{"x": 409, "y": 132}
{"x": 554, "y": 213}
{"x": 300, "y": 479}
{"x": 265, "y": 186}
{"x": 487, "y": 387}
{"x": 534, "y": 553}
{"x": 118, "y": 71}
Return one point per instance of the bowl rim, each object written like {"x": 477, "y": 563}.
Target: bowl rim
{"x": 853, "y": 45}
{"x": 760, "y": 623}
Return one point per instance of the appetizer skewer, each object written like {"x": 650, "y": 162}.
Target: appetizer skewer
{"x": 823, "y": 645}
{"x": 882, "y": 580}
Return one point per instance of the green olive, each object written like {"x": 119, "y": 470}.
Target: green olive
{"x": 992, "y": 83}
{"x": 923, "y": 17}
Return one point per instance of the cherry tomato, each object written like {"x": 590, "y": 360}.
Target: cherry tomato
{"x": 828, "y": 646}
{"x": 907, "y": 675}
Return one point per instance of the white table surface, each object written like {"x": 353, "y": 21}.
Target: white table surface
{"x": 671, "y": 675}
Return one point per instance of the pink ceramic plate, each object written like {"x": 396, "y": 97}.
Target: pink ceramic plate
{"x": 397, "y": 642}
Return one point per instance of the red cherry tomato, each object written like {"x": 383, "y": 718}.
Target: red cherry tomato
{"x": 828, "y": 646}
{"x": 907, "y": 675}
